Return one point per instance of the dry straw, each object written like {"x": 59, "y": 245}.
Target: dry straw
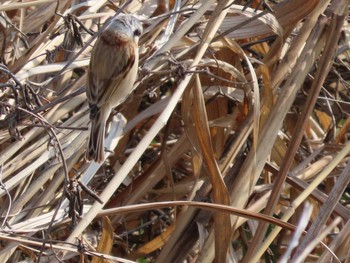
{"x": 240, "y": 117}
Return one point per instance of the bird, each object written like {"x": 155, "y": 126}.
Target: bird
{"x": 111, "y": 76}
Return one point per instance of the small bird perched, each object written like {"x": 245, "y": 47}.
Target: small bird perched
{"x": 111, "y": 76}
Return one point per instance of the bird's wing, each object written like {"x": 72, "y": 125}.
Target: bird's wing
{"x": 109, "y": 66}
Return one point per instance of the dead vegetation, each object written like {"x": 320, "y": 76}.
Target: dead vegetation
{"x": 235, "y": 146}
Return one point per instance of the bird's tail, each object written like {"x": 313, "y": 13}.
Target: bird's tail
{"x": 95, "y": 150}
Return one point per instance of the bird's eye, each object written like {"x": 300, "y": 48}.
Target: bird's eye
{"x": 137, "y": 32}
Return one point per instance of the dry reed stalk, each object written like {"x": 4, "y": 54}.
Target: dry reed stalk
{"x": 213, "y": 119}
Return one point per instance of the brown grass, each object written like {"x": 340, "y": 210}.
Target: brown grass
{"x": 234, "y": 145}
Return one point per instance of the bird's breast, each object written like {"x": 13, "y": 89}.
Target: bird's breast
{"x": 115, "y": 40}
